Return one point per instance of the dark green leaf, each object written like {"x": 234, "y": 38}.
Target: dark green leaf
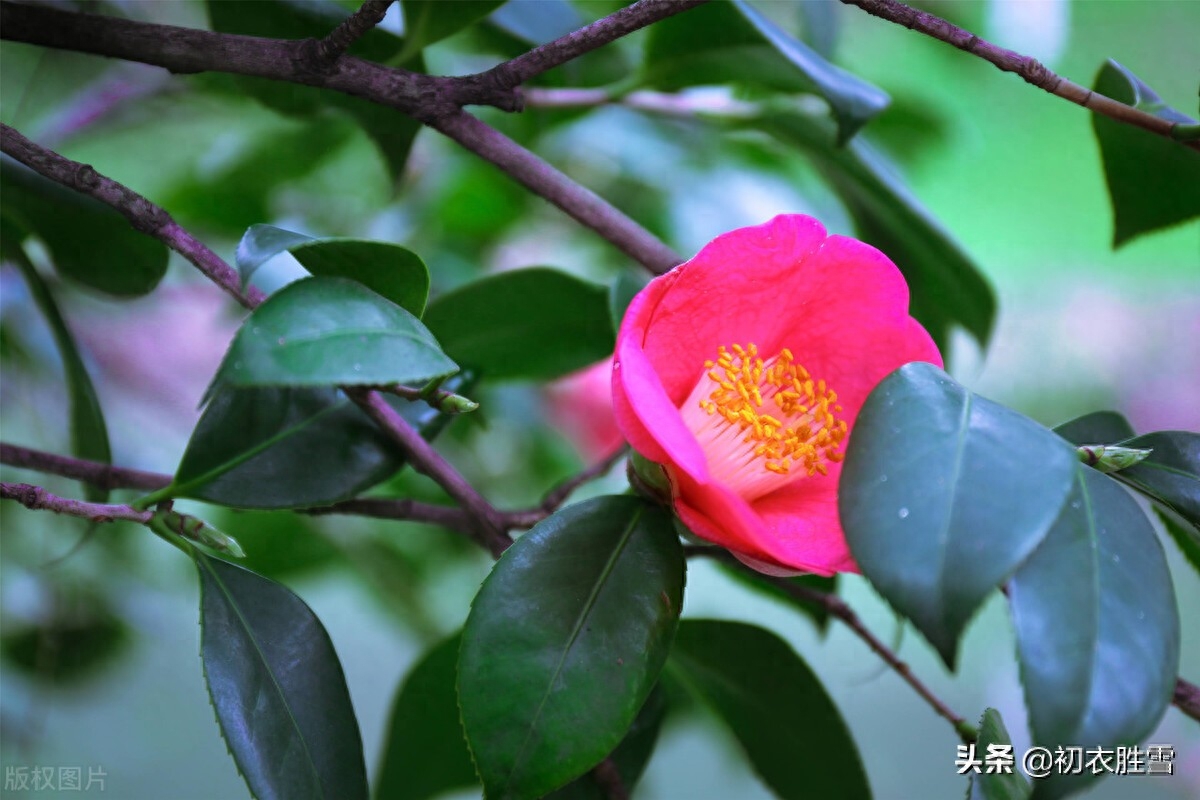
{"x": 927, "y": 496}
{"x": 819, "y": 614}
{"x": 629, "y": 758}
{"x": 277, "y": 687}
{"x": 1151, "y": 180}
{"x": 88, "y": 241}
{"x": 1171, "y": 473}
{"x": 564, "y": 642}
{"x": 389, "y": 270}
{"x": 429, "y": 21}
{"x": 89, "y": 434}
{"x": 426, "y": 754}
{"x": 326, "y": 331}
{"x": 1096, "y": 625}
{"x": 535, "y": 323}
{"x": 1099, "y": 427}
{"x": 1186, "y": 537}
{"x": 291, "y": 448}
{"x": 774, "y": 705}
{"x": 947, "y": 289}
{"x": 391, "y": 131}
{"x": 996, "y": 785}
{"x": 621, "y": 293}
{"x": 81, "y": 637}
{"x": 725, "y": 42}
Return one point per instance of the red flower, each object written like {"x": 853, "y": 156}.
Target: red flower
{"x": 580, "y": 405}
{"x": 742, "y": 371}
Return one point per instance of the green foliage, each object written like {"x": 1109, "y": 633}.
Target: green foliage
{"x": 524, "y": 324}
{"x": 1151, "y": 180}
{"x": 77, "y": 641}
{"x": 429, "y": 21}
{"x": 331, "y": 331}
{"x": 1095, "y": 618}
{"x": 564, "y": 642}
{"x": 926, "y": 497}
{"x": 277, "y": 688}
{"x": 752, "y": 679}
{"x": 89, "y": 242}
{"x": 996, "y": 785}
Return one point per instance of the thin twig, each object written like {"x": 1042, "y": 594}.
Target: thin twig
{"x": 143, "y": 215}
{"x": 37, "y": 498}
{"x": 353, "y": 28}
{"x": 93, "y": 472}
{"x": 1187, "y": 698}
{"x": 558, "y": 494}
{"x": 489, "y": 527}
{"x": 1029, "y": 69}
{"x": 449, "y": 517}
{"x": 836, "y": 607}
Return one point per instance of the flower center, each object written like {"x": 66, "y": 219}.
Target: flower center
{"x": 763, "y": 424}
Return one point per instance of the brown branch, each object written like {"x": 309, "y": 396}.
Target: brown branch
{"x": 37, "y": 498}
{"x": 1187, "y": 698}
{"x": 353, "y": 28}
{"x": 93, "y": 472}
{"x": 1029, "y": 69}
{"x": 560, "y": 492}
{"x": 143, "y": 215}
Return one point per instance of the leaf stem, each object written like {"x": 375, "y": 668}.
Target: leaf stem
{"x": 1029, "y": 69}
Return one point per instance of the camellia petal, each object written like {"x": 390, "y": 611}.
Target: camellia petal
{"x": 742, "y": 372}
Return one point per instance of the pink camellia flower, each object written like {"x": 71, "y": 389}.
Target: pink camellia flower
{"x": 742, "y": 371}
{"x": 580, "y": 405}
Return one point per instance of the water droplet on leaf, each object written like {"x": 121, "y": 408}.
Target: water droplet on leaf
{"x": 903, "y": 513}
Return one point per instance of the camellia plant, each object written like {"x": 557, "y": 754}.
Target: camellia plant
{"x": 775, "y": 408}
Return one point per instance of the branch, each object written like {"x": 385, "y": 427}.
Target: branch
{"x": 601, "y": 32}
{"x": 837, "y": 607}
{"x": 1187, "y": 698}
{"x": 37, "y": 498}
{"x": 143, "y": 215}
{"x": 93, "y": 472}
{"x": 559, "y": 493}
{"x": 368, "y": 15}
{"x": 1029, "y": 69}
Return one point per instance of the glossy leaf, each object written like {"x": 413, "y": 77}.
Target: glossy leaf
{"x": 277, "y": 688}
{"x": 89, "y": 433}
{"x": 88, "y": 241}
{"x": 425, "y": 754}
{"x": 429, "y": 21}
{"x": 291, "y": 448}
{"x": 1171, "y": 473}
{"x": 1151, "y": 179}
{"x": 535, "y": 323}
{"x": 926, "y": 497}
{"x": 630, "y": 757}
{"x": 1186, "y": 537}
{"x": 775, "y": 706}
{"x": 996, "y": 785}
{"x": 327, "y": 331}
{"x": 564, "y": 642}
{"x": 946, "y": 287}
{"x": 732, "y": 42}
{"x": 391, "y": 271}
{"x": 392, "y": 133}
{"x": 1096, "y": 625}
{"x": 1099, "y": 427}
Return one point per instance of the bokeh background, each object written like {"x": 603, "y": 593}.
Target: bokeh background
{"x": 1013, "y": 173}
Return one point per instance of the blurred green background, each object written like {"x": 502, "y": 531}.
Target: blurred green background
{"x": 1012, "y": 172}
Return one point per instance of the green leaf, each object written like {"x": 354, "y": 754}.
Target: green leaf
{"x": 1099, "y": 427}
{"x": 426, "y": 754}
{"x": 1096, "y": 625}
{"x": 564, "y": 642}
{"x": 535, "y": 22}
{"x": 724, "y": 42}
{"x": 392, "y": 132}
{"x": 630, "y": 757}
{"x": 429, "y": 21}
{"x": 1187, "y": 538}
{"x": 535, "y": 323}
{"x": 76, "y": 641}
{"x": 927, "y": 497}
{"x": 1151, "y": 179}
{"x": 292, "y": 448}
{"x": 774, "y": 705}
{"x": 326, "y": 331}
{"x": 946, "y": 287}
{"x": 819, "y": 614}
{"x": 89, "y": 433}
{"x": 277, "y": 687}
{"x": 996, "y": 785}
{"x": 621, "y": 293}
{"x": 88, "y": 241}
{"x": 389, "y": 270}
{"x": 1171, "y": 473}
